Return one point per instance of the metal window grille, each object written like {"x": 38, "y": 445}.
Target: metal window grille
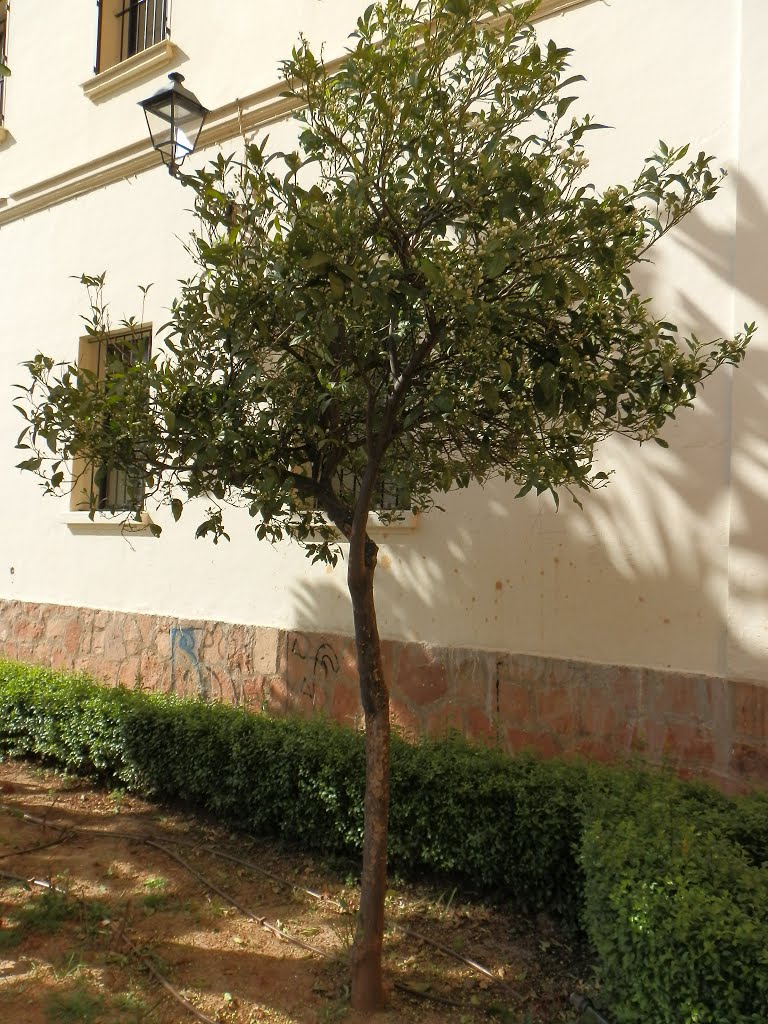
{"x": 142, "y": 24}
{"x": 387, "y": 496}
{"x": 113, "y": 488}
{"x": 126, "y": 27}
{"x": 3, "y": 57}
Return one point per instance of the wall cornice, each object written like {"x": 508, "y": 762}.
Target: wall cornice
{"x": 246, "y": 114}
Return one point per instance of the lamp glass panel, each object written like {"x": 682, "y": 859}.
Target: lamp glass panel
{"x": 160, "y": 131}
{"x": 189, "y": 123}
{"x": 162, "y": 107}
{"x": 174, "y": 124}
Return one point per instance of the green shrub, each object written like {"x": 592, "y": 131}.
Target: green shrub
{"x": 508, "y": 827}
{"x": 676, "y": 909}
{"x": 668, "y": 877}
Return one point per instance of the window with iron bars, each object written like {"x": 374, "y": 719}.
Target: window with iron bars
{"x": 387, "y": 496}
{"x": 100, "y": 486}
{"x": 3, "y": 54}
{"x": 126, "y": 27}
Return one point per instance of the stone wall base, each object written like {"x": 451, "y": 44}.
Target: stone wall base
{"x": 702, "y": 725}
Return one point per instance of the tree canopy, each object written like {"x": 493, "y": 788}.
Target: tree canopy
{"x": 428, "y": 283}
{"x": 427, "y": 292}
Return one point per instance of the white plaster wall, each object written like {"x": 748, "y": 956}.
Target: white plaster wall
{"x": 227, "y": 50}
{"x": 641, "y": 576}
{"x": 748, "y": 548}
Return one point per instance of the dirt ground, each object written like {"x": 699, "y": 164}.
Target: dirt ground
{"x": 105, "y": 928}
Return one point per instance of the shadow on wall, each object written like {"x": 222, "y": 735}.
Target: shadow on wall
{"x": 623, "y": 612}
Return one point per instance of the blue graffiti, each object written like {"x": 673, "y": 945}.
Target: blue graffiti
{"x": 184, "y": 640}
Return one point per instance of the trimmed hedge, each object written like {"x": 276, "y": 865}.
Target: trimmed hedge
{"x": 677, "y": 911}
{"x": 669, "y": 879}
{"x": 508, "y": 827}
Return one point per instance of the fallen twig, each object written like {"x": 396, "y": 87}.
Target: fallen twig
{"x": 137, "y": 952}
{"x": 452, "y": 952}
{"x": 191, "y": 844}
{"x": 15, "y": 878}
{"x": 159, "y": 844}
{"x": 262, "y": 921}
{"x": 137, "y": 838}
{"x": 56, "y": 799}
{"x": 431, "y": 996}
{"x": 197, "y": 1014}
{"x": 40, "y": 846}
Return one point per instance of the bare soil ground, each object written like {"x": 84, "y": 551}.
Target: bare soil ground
{"x": 93, "y": 925}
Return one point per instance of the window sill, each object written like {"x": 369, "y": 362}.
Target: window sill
{"x": 381, "y": 531}
{"x": 407, "y": 524}
{"x": 107, "y": 522}
{"x": 131, "y": 70}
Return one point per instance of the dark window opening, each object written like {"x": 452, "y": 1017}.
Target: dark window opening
{"x": 3, "y": 55}
{"x": 127, "y": 27}
{"x": 112, "y": 488}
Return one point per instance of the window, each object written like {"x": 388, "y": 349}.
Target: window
{"x": 387, "y": 498}
{"x": 3, "y": 54}
{"x": 127, "y": 27}
{"x": 105, "y": 360}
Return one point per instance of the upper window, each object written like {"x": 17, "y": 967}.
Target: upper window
{"x": 127, "y": 27}
{"x": 3, "y": 53}
{"x": 107, "y": 360}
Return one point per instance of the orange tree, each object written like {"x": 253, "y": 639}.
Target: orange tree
{"x": 426, "y": 292}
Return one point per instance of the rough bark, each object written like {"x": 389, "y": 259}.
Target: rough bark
{"x": 368, "y": 993}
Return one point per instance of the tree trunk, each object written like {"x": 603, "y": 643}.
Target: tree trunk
{"x": 368, "y": 992}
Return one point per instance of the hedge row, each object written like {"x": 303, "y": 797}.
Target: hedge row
{"x": 495, "y": 825}
{"x": 668, "y": 878}
{"x": 677, "y": 912}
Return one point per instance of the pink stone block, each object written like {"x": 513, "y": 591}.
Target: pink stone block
{"x": 594, "y": 750}
{"x": 521, "y": 740}
{"x": 750, "y": 702}
{"x": 515, "y": 704}
{"x": 479, "y": 727}
{"x": 29, "y": 631}
{"x": 154, "y": 670}
{"x": 421, "y": 679}
{"x": 72, "y": 636}
{"x": 675, "y": 694}
{"x": 750, "y": 762}
{"x": 471, "y": 678}
{"x": 129, "y": 673}
{"x": 598, "y": 715}
{"x": 345, "y": 704}
{"x": 557, "y": 709}
{"x": 440, "y": 722}
{"x": 404, "y": 719}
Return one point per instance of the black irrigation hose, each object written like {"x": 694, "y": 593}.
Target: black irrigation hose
{"x": 589, "y": 1014}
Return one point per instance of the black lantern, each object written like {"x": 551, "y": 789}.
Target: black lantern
{"x": 175, "y": 118}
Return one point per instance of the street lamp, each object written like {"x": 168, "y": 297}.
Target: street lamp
{"x": 175, "y": 118}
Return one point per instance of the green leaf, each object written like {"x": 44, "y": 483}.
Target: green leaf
{"x": 319, "y": 261}
{"x": 443, "y": 401}
{"x": 336, "y": 285}
{"x": 177, "y": 507}
{"x": 496, "y": 264}
{"x": 490, "y": 396}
